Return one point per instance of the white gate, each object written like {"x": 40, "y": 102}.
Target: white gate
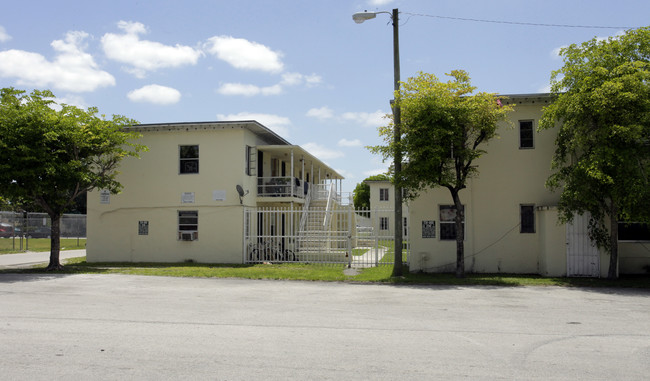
{"x": 338, "y": 235}
{"x": 583, "y": 257}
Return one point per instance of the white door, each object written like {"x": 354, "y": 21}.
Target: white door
{"x": 583, "y": 257}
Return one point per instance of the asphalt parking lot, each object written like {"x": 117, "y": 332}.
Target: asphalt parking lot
{"x": 136, "y": 327}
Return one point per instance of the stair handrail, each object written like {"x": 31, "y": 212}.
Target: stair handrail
{"x": 329, "y": 207}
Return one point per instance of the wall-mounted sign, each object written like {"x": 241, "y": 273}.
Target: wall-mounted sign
{"x": 219, "y": 195}
{"x": 104, "y": 196}
{"x": 143, "y": 227}
{"x": 428, "y": 229}
{"x": 187, "y": 198}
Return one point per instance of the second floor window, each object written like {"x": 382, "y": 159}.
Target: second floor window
{"x": 383, "y": 194}
{"x": 189, "y": 159}
{"x": 526, "y": 134}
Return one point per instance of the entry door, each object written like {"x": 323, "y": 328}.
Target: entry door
{"x": 583, "y": 257}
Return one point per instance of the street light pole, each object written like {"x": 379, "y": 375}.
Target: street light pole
{"x": 397, "y": 120}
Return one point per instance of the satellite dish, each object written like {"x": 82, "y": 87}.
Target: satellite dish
{"x": 241, "y": 193}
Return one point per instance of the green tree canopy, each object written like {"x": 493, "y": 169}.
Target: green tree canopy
{"x": 443, "y": 126}
{"x": 602, "y": 157}
{"x": 51, "y": 154}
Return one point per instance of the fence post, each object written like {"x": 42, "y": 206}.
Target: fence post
{"x": 351, "y": 226}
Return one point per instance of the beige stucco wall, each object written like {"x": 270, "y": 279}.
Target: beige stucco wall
{"x": 381, "y": 208}
{"x": 508, "y": 177}
{"x": 152, "y": 192}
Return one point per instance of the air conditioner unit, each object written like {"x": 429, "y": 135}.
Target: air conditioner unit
{"x": 187, "y": 236}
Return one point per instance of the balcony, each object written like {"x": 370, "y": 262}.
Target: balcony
{"x": 282, "y": 187}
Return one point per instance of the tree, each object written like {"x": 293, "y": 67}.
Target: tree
{"x": 602, "y": 156}
{"x": 443, "y": 125}
{"x": 52, "y": 157}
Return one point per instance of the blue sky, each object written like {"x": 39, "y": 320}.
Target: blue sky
{"x": 302, "y": 68}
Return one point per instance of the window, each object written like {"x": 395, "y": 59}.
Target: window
{"x": 633, "y": 231}
{"x": 383, "y": 194}
{"x": 405, "y": 227}
{"x": 250, "y": 160}
{"x": 527, "y": 218}
{"x": 189, "y": 159}
{"x": 188, "y": 225}
{"x": 448, "y": 223}
{"x": 526, "y": 134}
{"x": 383, "y": 223}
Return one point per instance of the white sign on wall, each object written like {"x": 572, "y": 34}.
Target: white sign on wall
{"x": 187, "y": 198}
{"x": 219, "y": 195}
{"x": 104, "y": 196}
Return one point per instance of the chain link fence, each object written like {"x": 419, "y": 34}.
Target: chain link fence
{"x": 38, "y": 225}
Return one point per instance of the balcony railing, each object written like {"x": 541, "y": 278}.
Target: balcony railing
{"x": 281, "y": 187}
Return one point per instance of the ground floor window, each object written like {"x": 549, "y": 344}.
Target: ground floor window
{"x": 383, "y": 223}
{"x": 633, "y": 231}
{"x": 405, "y": 227}
{"x": 188, "y": 225}
{"x": 448, "y": 221}
{"x": 527, "y": 218}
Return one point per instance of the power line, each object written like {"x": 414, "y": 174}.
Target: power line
{"x": 521, "y": 23}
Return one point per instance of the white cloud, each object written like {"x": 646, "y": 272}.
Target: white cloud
{"x": 321, "y": 113}
{"x": 143, "y": 55}
{"x": 248, "y": 90}
{"x": 373, "y": 119}
{"x": 321, "y": 152}
{"x": 72, "y": 69}
{"x": 278, "y": 124}
{"x": 349, "y": 143}
{"x": 156, "y": 94}
{"x": 379, "y": 2}
{"x": 244, "y": 54}
{"x": 555, "y": 53}
{"x": 345, "y": 173}
{"x": 288, "y": 79}
{"x": 295, "y": 79}
{"x": 374, "y": 172}
{"x": 4, "y": 36}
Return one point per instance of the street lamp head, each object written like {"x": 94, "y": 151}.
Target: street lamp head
{"x": 360, "y": 17}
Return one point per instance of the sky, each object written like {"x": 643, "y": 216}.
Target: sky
{"x": 303, "y": 68}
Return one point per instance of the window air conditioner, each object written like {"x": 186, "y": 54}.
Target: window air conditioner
{"x": 187, "y": 236}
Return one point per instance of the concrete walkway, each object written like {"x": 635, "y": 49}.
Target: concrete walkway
{"x": 31, "y": 258}
{"x": 369, "y": 258}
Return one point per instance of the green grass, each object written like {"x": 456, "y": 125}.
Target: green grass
{"x": 332, "y": 273}
{"x": 12, "y": 245}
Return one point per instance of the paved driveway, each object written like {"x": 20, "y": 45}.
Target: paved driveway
{"x": 136, "y": 327}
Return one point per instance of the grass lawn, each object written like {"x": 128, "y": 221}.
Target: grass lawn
{"x": 12, "y": 245}
{"x": 332, "y": 273}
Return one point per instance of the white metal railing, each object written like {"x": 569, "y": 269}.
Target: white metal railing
{"x": 280, "y": 235}
{"x": 285, "y": 186}
{"x": 305, "y": 210}
{"x": 330, "y": 206}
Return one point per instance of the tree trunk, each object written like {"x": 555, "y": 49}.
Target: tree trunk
{"x": 55, "y": 241}
{"x": 612, "y": 273}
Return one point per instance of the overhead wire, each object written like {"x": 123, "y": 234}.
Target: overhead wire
{"x": 520, "y": 22}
